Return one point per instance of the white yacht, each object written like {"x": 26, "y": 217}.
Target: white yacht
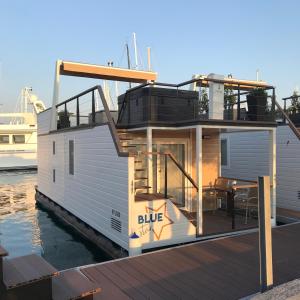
{"x": 18, "y": 133}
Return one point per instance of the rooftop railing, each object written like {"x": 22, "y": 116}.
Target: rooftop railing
{"x": 164, "y": 102}
{"x": 86, "y": 109}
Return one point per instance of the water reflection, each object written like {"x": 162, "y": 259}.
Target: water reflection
{"x": 26, "y": 228}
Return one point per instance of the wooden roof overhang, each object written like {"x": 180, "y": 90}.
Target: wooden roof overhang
{"x": 243, "y": 85}
{"x": 104, "y": 72}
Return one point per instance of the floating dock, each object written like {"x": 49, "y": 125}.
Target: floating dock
{"x": 226, "y": 268}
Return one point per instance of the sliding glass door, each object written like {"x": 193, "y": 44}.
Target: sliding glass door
{"x": 170, "y": 172}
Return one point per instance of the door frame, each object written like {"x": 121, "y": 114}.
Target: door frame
{"x": 187, "y": 157}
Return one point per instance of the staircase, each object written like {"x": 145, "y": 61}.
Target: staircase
{"x": 30, "y": 277}
{"x": 140, "y": 162}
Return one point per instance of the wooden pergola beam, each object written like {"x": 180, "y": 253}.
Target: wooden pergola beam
{"x": 244, "y": 85}
{"x": 103, "y": 72}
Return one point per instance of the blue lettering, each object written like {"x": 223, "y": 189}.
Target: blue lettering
{"x": 140, "y": 219}
{"x": 159, "y": 217}
{"x": 151, "y": 218}
{"x": 146, "y": 219}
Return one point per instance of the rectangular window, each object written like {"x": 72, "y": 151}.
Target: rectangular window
{"x": 53, "y": 175}
{"x": 53, "y": 147}
{"x": 4, "y": 139}
{"x": 19, "y": 138}
{"x": 224, "y": 152}
{"x": 71, "y": 157}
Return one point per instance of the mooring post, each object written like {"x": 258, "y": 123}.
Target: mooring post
{"x": 166, "y": 176}
{"x": 265, "y": 234}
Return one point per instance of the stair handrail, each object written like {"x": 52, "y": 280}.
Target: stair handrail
{"x": 287, "y": 118}
{"x": 177, "y": 163}
{"x": 111, "y": 124}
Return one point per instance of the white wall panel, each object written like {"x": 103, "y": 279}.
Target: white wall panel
{"x": 99, "y": 183}
{"x": 249, "y": 159}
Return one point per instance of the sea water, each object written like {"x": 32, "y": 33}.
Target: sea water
{"x": 26, "y": 228}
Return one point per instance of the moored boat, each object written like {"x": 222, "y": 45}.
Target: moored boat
{"x": 18, "y": 133}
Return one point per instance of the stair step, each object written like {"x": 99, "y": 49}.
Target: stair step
{"x": 139, "y": 170}
{"x": 126, "y": 139}
{"x": 26, "y": 269}
{"x": 128, "y": 146}
{"x": 142, "y": 187}
{"x": 138, "y": 161}
{"x": 141, "y": 178}
{"x": 72, "y": 284}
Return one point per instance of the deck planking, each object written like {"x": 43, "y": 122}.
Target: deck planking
{"x": 225, "y": 268}
{"x": 288, "y": 213}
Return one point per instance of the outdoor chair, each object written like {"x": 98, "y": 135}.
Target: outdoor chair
{"x": 247, "y": 199}
{"x": 220, "y": 190}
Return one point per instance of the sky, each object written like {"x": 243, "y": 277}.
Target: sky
{"x": 186, "y": 38}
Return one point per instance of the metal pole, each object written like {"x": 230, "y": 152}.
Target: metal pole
{"x": 284, "y": 108}
{"x": 166, "y": 176}
{"x": 239, "y": 104}
{"x": 149, "y": 160}
{"x": 199, "y": 179}
{"x": 77, "y": 112}
{"x": 232, "y": 208}
{"x": 53, "y": 125}
{"x": 65, "y": 113}
{"x": 273, "y": 105}
{"x": 265, "y": 234}
{"x": 93, "y": 107}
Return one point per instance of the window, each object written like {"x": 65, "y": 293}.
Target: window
{"x": 53, "y": 147}
{"x": 19, "y": 139}
{"x": 71, "y": 157}
{"x": 224, "y": 153}
{"x": 53, "y": 175}
{"x": 4, "y": 139}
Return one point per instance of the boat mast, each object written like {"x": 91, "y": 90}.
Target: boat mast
{"x": 149, "y": 58}
{"x": 128, "y": 61}
{"x": 135, "y": 51}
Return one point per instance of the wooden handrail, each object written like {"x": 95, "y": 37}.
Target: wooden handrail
{"x": 238, "y": 179}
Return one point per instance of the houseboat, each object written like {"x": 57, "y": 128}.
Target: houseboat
{"x": 18, "y": 133}
{"x": 151, "y": 171}
{"x": 251, "y": 151}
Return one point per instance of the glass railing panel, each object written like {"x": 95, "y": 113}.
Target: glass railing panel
{"x": 229, "y": 208}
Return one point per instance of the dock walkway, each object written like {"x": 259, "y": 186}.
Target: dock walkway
{"x": 226, "y": 268}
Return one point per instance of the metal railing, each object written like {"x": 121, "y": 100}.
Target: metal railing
{"x": 286, "y": 118}
{"x": 237, "y": 110}
{"x": 74, "y": 112}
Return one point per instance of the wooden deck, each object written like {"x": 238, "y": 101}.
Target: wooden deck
{"x": 288, "y": 213}
{"x": 226, "y": 268}
{"x": 218, "y": 222}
